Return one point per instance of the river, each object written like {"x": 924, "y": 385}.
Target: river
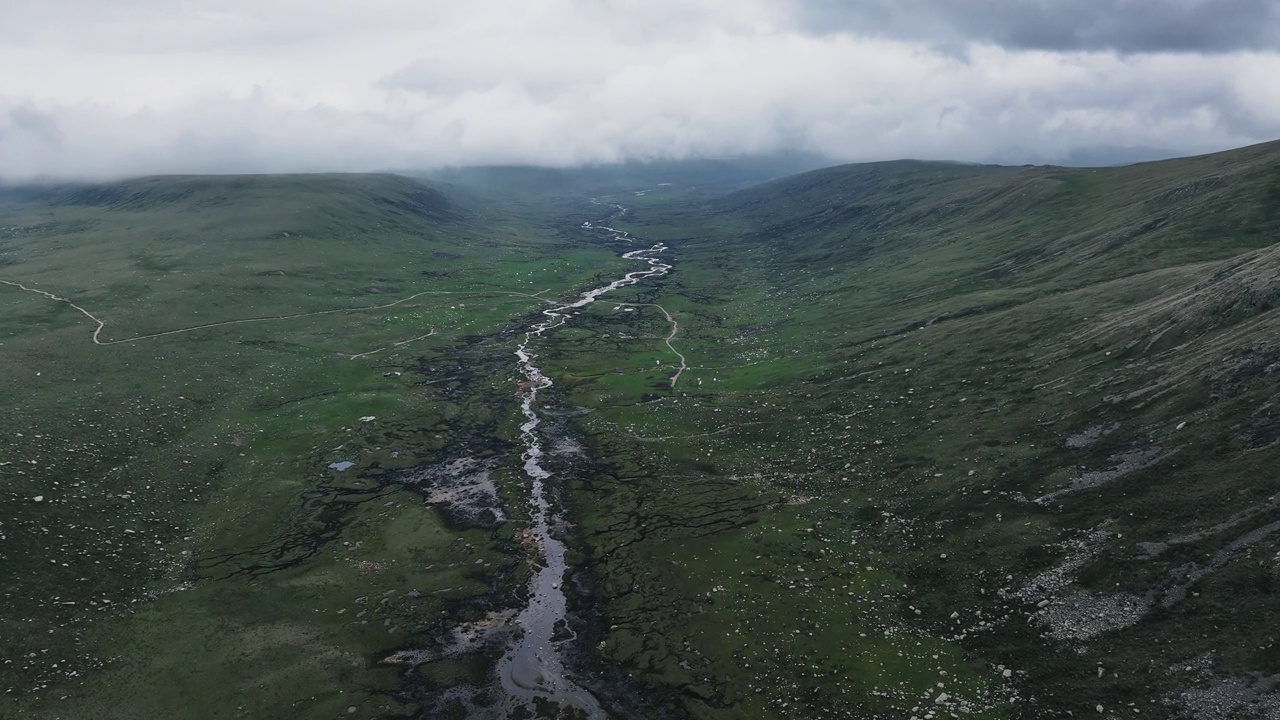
{"x": 534, "y": 667}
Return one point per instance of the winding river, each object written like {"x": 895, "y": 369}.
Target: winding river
{"x": 533, "y": 667}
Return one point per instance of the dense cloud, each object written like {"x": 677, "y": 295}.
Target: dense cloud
{"x": 1127, "y": 26}
{"x": 140, "y": 86}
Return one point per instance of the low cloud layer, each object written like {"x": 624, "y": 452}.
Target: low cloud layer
{"x": 143, "y": 86}
{"x": 1125, "y": 26}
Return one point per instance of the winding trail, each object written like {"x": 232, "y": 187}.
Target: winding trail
{"x": 97, "y": 340}
{"x": 675, "y": 328}
{"x": 533, "y": 667}
{"x": 402, "y": 343}
{"x": 51, "y": 296}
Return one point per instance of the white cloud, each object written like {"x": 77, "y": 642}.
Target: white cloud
{"x": 145, "y": 86}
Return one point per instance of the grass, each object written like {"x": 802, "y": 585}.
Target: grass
{"x": 893, "y": 351}
{"x": 831, "y": 515}
{"x": 173, "y": 471}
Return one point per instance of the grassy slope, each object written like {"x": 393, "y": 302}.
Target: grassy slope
{"x": 888, "y": 362}
{"x": 192, "y": 556}
{"x": 705, "y": 178}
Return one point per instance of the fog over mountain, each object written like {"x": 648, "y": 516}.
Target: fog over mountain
{"x": 143, "y": 86}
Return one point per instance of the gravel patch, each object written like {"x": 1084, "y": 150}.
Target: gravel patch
{"x": 1090, "y": 435}
{"x": 1126, "y": 463}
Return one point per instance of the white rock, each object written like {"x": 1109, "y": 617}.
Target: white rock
{"x": 1181, "y": 425}
{"x": 1007, "y": 673}
{"x": 38, "y": 498}
{"x": 942, "y": 697}
{"x": 1099, "y": 708}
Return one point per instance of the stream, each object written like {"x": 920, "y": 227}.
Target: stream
{"x": 533, "y": 667}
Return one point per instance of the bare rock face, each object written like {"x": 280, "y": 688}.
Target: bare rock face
{"x": 1242, "y": 287}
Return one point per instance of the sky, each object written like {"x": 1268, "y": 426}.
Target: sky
{"x": 93, "y": 89}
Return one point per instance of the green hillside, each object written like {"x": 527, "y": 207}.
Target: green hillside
{"x": 174, "y": 542}
{"x": 1041, "y": 398}
{"x": 890, "y": 440}
{"x": 632, "y": 180}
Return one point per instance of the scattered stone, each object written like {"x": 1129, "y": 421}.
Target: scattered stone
{"x": 1228, "y": 698}
{"x": 1086, "y": 615}
{"x": 1090, "y": 435}
{"x": 1125, "y": 464}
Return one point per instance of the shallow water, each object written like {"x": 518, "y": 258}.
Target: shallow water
{"x": 533, "y": 667}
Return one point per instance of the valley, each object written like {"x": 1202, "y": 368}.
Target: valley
{"x": 892, "y": 440}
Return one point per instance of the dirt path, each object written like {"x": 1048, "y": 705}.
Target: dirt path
{"x": 675, "y": 328}
{"x": 402, "y": 343}
{"x": 51, "y": 296}
{"x": 97, "y": 340}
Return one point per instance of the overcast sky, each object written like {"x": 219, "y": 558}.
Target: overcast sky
{"x": 91, "y": 88}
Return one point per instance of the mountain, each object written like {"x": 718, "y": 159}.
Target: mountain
{"x": 878, "y": 440}
{"x": 183, "y": 360}
{"x": 1041, "y": 397}
{"x": 703, "y": 176}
